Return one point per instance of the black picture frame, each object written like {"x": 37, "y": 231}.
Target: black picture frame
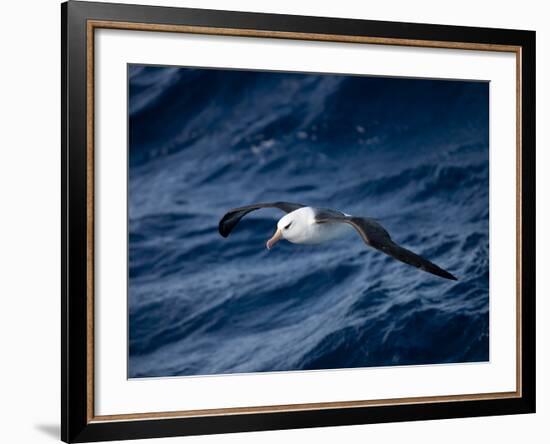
{"x": 76, "y": 423}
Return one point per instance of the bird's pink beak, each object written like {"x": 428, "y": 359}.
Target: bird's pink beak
{"x": 278, "y": 234}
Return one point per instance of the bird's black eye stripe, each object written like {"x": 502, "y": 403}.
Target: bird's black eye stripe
{"x": 288, "y": 225}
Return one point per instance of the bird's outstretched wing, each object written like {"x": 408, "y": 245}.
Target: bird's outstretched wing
{"x": 232, "y": 217}
{"x": 377, "y": 237}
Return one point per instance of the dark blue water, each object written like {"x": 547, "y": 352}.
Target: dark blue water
{"x": 411, "y": 153}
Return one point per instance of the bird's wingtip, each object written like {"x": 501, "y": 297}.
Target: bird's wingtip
{"x": 451, "y": 277}
{"x": 222, "y": 229}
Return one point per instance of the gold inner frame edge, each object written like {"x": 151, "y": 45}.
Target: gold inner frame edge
{"x": 234, "y": 32}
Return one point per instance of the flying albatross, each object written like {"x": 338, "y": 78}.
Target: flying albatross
{"x": 308, "y": 225}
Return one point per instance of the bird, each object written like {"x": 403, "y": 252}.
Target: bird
{"x": 308, "y": 225}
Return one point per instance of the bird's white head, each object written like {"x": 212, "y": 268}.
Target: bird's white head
{"x": 293, "y": 226}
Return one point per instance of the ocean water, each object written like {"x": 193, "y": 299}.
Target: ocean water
{"x": 411, "y": 153}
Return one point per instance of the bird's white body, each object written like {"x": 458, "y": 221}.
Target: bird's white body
{"x": 300, "y": 227}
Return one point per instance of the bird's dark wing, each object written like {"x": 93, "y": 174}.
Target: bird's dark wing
{"x": 377, "y": 237}
{"x": 232, "y": 217}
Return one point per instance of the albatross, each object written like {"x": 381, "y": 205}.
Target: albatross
{"x": 309, "y": 225}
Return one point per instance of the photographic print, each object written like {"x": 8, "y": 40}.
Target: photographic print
{"x": 288, "y": 221}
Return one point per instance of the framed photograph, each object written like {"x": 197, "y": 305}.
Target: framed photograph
{"x": 277, "y": 221}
